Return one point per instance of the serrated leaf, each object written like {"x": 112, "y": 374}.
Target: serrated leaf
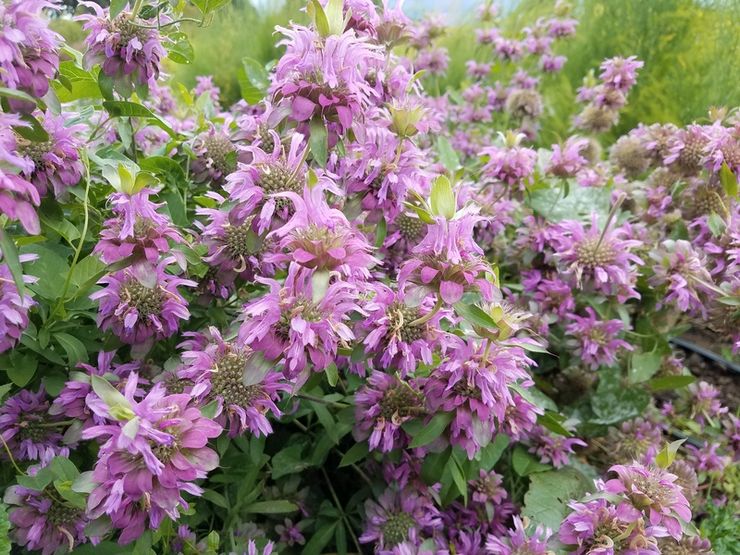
{"x": 432, "y": 429}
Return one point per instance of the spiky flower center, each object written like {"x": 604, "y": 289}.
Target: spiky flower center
{"x": 396, "y": 528}
{"x": 412, "y": 229}
{"x": 400, "y": 401}
{"x": 466, "y": 389}
{"x": 128, "y": 29}
{"x": 277, "y": 178}
{"x": 227, "y": 380}
{"x": 146, "y": 300}
{"x": 708, "y": 200}
{"x": 241, "y": 240}
{"x": 218, "y": 148}
{"x": 647, "y": 491}
{"x": 35, "y": 151}
{"x": 400, "y": 322}
{"x": 591, "y": 253}
{"x": 690, "y": 157}
{"x": 488, "y": 486}
{"x": 304, "y": 308}
{"x": 34, "y": 430}
{"x": 61, "y": 515}
{"x": 165, "y": 452}
{"x": 597, "y": 335}
{"x": 142, "y": 227}
{"x": 267, "y": 141}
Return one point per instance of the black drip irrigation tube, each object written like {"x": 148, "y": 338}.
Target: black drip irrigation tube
{"x": 706, "y": 353}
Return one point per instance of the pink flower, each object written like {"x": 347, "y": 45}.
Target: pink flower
{"x": 596, "y": 341}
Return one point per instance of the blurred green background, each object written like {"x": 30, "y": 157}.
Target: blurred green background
{"x": 691, "y": 50}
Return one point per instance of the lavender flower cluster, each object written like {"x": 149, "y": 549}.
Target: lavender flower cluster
{"x": 355, "y": 311}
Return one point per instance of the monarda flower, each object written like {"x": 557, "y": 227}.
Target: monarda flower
{"x": 399, "y": 335}
{"x": 510, "y": 164}
{"x": 382, "y": 406}
{"x": 295, "y": 324}
{"x": 142, "y": 304}
{"x": 596, "y": 341}
{"x": 154, "y": 450}
{"x": 630, "y": 156}
{"x": 324, "y": 78}
{"x": 127, "y": 49}
{"x": 620, "y": 73}
{"x": 320, "y": 238}
{"x": 688, "y": 545}
{"x": 399, "y": 519}
{"x": 473, "y": 384}
{"x": 448, "y": 262}
{"x": 18, "y": 196}
{"x": 567, "y": 160}
{"x": 215, "y": 156}
{"x": 433, "y": 60}
{"x": 43, "y": 521}
{"x": 72, "y": 401}
{"x": 28, "y": 430}
{"x": 597, "y": 527}
{"x": 553, "y": 449}
{"x": 600, "y": 258}
{"x": 238, "y": 379}
{"x": 136, "y": 229}
{"x": 682, "y": 272}
{"x": 687, "y": 150}
{"x": 13, "y": 308}
{"x": 30, "y": 50}
{"x": 652, "y": 491}
{"x": 518, "y": 541}
{"x": 254, "y": 185}
{"x": 54, "y": 163}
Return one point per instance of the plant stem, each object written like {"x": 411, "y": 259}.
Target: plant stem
{"x": 320, "y": 400}
{"x": 429, "y": 315}
{"x": 10, "y": 455}
{"x": 341, "y": 510}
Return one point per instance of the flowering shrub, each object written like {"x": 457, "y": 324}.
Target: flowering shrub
{"x": 345, "y": 314}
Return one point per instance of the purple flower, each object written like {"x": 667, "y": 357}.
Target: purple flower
{"x": 566, "y": 160}
{"x": 706, "y": 404}
{"x": 43, "y": 521}
{"x": 154, "y": 450}
{"x": 320, "y": 238}
{"x": 553, "y": 449}
{"x": 141, "y": 304}
{"x": 29, "y": 56}
{"x": 620, "y": 73}
{"x": 602, "y": 257}
{"x": 382, "y": 406}
{"x": 136, "y": 229}
{"x": 29, "y": 431}
{"x": 518, "y": 541}
{"x": 488, "y": 489}
{"x": 559, "y": 28}
{"x": 682, "y": 271}
{"x": 399, "y": 517}
{"x": 652, "y": 491}
{"x": 204, "y": 85}
{"x": 599, "y": 528}
{"x": 215, "y": 156}
{"x": 324, "y": 77}
{"x": 17, "y": 195}
{"x": 290, "y": 533}
{"x": 552, "y": 64}
{"x": 596, "y": 341}
{"x": 395, "y": 335}
{"x": 474, "y": 386}
{"x": 238, "y": 379}
{"x": 127, "y": 49}
{"x": 54, "y": 163}
{"x": 433, "y": 60}
{"x": 13, "y": 308}
{"x": 72, "y": 401}
{"x": 297, "y": 325}
{"x": 510, "y": 165}
{"x": 448, "y": 262}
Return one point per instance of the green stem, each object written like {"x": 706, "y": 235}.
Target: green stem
{"x": 429, "y": 315}
{"x": 320, "y": 400}
{"x": 83, "y": 236}
{"x": 137, "y": 8}
{"x": 341, "y": 510}
{"x": 10, "y": 455}
{"x": 609, "y": 219}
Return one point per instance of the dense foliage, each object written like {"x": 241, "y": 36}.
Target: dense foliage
{"x": 356, "y": 311}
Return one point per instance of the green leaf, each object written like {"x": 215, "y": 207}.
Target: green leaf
{"x": 275, "y": 507}
{"x": 579, "y": 204}
{"x": 253, "y": 80}
{"x": 546, "y": 501}
{"x": 17, "y": 95}
{"x": 525, "y": 464}
{"x": 326, "y": 420}
{"x": 10, "y": 257}
{"x": 492, "y": 452}
{"x": 64, "y": 469}
{"x": 116, "y": 7}
{"x": 105, "y": 82}
{"x": 355, "y": 453}
{"x": 86, "y": 270}
{"x": 35, "y": 132}
{"x": 458, "y": 476}
{"x": 670, "y": 382}
{"x": 475, "y": 315}
{"x": 643, "y": 366}
{"x": 118, "y": 405}
{"x": 75, "y": 349}
{"x": 22, "y": 367}
{"x": 51, "y": 269}
{"x": 442, "y": 200}
{"x": 209, "y": 410}
{"x": 289, "y": 461}
{"x": 552, "y": 421}
{"x": 447, "y": 155}
{"x": 4, "y": 530}
{"x": 215, "y": 498}
{"x": 209, "y": 6}
{"x": 728, "y": 180}
{"x": 381, "y": 233}
{"x": 332, "y": 374}
{"x": 432, "y": 430}
{"x": 667, "y": 455}
{"x": 320, "y": 538}
{"x": 716, "y": 224}
{"x": 318, "y": 15}
{"x": 614, "y": 402}
{"x": 318, "y": 142}
{"x": 179, "y": 49}
{"x": 123, "y": 108}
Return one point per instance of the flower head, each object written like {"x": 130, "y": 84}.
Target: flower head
{"x": 596, "y": 341}
{"x": 518, "y": 541}
{"x": 13, "y": 307}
